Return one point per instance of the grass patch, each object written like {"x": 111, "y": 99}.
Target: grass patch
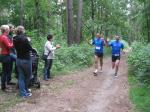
{"x": 139, "y": 95}
{"x": 8, "y": 100}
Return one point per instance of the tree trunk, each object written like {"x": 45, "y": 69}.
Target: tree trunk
{"x": 148, "y": 30}
{"x": 79, "y": 21}
{"x": 62, "y": 18}
{"x": 37, "y": 16}
{"x": 147, "y": 19}
{"x": 69, "y": 22}
{"x": 21, "y": 12}
{"x": 48, "y": 17}
{"x": 49, "y": 21}
{"x": 92, "y": 15}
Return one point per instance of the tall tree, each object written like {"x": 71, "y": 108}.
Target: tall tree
{"x": 92, "y": 15}
{"x": 79, "y": 21}
{"x": 69, "y": 22}
{"x": 22, "y": 12}
{"x": 48, "y": 17}
{"x": 147, "y": 18}
{"x": 37, "y": 16}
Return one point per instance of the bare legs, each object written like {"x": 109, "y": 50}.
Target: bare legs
{"x": 96, "y": 62}
{"x": 101, "y": 63}
{"x": 115, "y": 65}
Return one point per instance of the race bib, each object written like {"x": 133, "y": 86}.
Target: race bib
{"x": 117, "y": 54}
{"x": 97, "y": 48}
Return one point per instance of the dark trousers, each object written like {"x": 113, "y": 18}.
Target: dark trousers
{"x": 11, "y": 69}
{"x": 47, "y": 68}
{"x": 5, "y": 71}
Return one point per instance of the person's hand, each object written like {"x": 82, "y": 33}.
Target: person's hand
{"x": 29, "y": 39}
{"x": 90, "y": 41}
{"x": 102, "y": 39}
{"x": 107, "y": 39}
{"x": 58, "y": 46}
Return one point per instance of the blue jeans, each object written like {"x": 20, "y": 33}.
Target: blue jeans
{"x": 5, "y": 71}
{"x": 47, "y": 68}
{"x": 24, "y": 68}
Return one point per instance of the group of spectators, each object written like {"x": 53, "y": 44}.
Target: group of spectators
{"x": 15, "y": 49}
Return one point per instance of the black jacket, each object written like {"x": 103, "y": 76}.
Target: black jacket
{"x": 22, "y": 46}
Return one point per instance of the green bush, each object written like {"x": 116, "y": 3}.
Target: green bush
{"x": 139, "y": 61}
{"x": 76, "y": 56}
{"x": 139, "y": 95}
{"x": 125, "y": 43}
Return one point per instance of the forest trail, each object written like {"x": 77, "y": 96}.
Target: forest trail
{"x": 82, "y": 92}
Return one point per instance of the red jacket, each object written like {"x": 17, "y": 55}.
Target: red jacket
{"x": 5, "y": 44}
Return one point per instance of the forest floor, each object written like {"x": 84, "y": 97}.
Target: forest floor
{"x": 81, "y": 91}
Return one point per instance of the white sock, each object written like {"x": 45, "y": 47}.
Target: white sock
{"x": 95, "y": 70}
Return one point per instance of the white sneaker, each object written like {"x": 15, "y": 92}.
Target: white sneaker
{"x": 95, "y": 72}
{"x": 29, "y": 90}
{"x": 29, "y": 94}
{"x": 115, "y": 75}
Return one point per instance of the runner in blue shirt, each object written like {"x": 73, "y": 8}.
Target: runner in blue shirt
{"x": 116, "y": 47}
{"x": 98, "y": 42}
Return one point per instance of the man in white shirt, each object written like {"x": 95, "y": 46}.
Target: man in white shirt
{"x": 49, "y": 50}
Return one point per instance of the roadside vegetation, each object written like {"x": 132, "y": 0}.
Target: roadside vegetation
{"x": 139, "y": 76}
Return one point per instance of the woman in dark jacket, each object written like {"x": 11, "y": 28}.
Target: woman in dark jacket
{"x": 24, "y": 63}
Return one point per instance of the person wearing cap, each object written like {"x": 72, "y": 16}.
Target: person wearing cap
{"x": 5, "y": 45}
{"x": 116, "y": 47}
{"x": 98, "y": 43}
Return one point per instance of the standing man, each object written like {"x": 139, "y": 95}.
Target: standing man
{"x": 24, "y": 63}
{"x": 116, "y": 47}
{"x": 49, "y": 50}
{"x": 98, "y": 42}
{"x": 5, "y": 45}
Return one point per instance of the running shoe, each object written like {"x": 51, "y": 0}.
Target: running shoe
{"x": 95, "y": 72}
{"x": 115, "y": 75}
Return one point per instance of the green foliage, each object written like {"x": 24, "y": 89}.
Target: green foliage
{"x": 140, "y": 20}
{"x": 74, "y": 57}
{"x": 139, "y": 95}
{"x": 139, "y": 61}
{"x": 66, "y": 58}
{"x": 125, "y": 43}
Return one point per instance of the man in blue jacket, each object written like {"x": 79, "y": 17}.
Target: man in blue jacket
{"x": 98, "y": 43}
{"x": 116, "y": 47}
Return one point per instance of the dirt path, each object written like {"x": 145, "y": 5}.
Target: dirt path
{"x": 81, "y": 92}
